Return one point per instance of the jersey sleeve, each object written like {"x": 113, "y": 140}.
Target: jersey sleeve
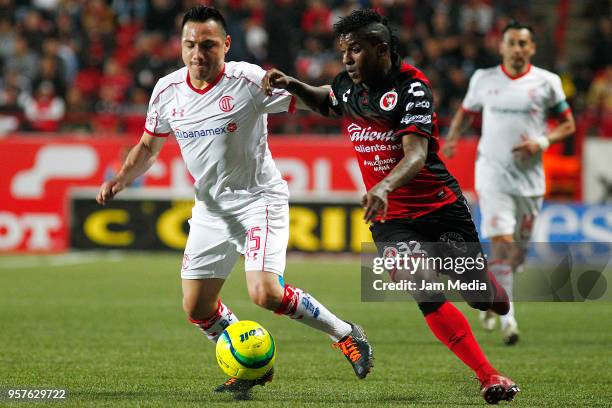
{"x": 556, "y": 101}
{"x": 279, "y": 101}
{"x": 416, "y": 100}
{"x": 472, "y": 102}
{"x": 156, "y": 123}
{"x": 333, "y": 91}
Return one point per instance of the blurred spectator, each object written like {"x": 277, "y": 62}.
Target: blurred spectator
{"x": 34, "y": 28}
{"x": 45, "y": 110}
{"x": 160, "y": 15}
{"x": 602, "y": 44}
{"x": 134, "y": 111}
{"x": 78, "y": 112}
{"x": 23, "y": 59}
{"x": 7, "y": 37}
{"x": 477, "y": 15}
{"x": 64, "y": 55}
{"x": 256, "y": 39}
{"x": 283, "y": 25}
{"x": 148, "y": 65}
{"x": 105, "y": 56}
{"x": 117, "y": 77}
{"x": 107, "y": 109}
{"x": 50, "y": 72}
{"x": 128, "y": 11}
{"x": 311, "y": 61}
{"x": 11, "y": 114}
{"x": 599, "y": 102}
{"x": 317, "y": 18}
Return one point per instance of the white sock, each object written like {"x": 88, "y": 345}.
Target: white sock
{"x": 505, "y": 277}
{"x": 215, "y": 324}
{"x": 304, "y": 308}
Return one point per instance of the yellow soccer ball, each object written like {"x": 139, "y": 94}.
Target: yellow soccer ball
{"x": 246, "y": 350}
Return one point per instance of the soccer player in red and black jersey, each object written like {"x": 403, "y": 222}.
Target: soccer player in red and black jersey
{"x": 411, "y": 197}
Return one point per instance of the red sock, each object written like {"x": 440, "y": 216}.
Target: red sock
{"x": 450, "y": 327}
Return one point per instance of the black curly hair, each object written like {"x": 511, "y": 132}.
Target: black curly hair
{"x": 368, "y": 25}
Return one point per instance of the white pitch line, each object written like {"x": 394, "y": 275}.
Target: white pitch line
{"x": 33, "y": 261}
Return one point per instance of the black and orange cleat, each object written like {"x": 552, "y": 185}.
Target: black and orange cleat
{"x": 497, "y": 388}
{"x": 241, "y": 388}
{"x": 357, "y": 350}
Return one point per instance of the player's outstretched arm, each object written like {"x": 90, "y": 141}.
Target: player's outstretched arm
{"x": 310, "y": 97}
{"x": 460, "y": 122}
{"x": 415, "y": 153}
{"x": 140, "y": 158}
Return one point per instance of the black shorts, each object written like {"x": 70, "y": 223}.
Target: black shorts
{"x": 447, "y": 232}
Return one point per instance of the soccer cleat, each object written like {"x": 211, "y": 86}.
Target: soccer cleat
{"x": 510, "y": 333}
{"x": 357, "y": 350}
{"x": 241, "y": 388}
{"x": 488, "y": 320}
{"x": 497, "y": 388}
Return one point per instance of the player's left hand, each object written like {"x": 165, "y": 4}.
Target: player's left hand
{"x": 275, "y": 79}
{"x": 375, "y": 203}
{"x": 527, "y": 147}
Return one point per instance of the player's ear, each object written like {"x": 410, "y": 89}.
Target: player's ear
{"x": 383, "y": 48}
{"x": 533, "y": 48}
{"x": 227, "y": 44}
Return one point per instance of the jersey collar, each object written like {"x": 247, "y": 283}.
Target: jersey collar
{"x": 209, "y": 86}
{"x": 515, "y": 77}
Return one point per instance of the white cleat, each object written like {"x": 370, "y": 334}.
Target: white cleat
{"x": 488, "y": 320}
{"x": 510, "y": 332}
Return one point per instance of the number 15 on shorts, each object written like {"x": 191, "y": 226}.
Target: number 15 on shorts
{"x": 253, "y": 246}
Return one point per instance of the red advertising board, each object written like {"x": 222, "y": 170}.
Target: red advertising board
{"x": 37, "y": 173}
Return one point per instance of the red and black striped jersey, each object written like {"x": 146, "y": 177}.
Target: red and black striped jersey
{"x": 377, "y": 118}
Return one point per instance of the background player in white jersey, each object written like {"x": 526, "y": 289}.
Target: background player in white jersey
{"x": 218, "y": 113}
{"x": 515, "y": 99}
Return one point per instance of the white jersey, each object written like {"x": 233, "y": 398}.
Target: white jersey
{"x": 222, "y": 133}
{"x": 511, "y": 107}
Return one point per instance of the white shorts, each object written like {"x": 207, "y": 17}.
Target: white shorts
{"x": 507, "y": 214}
{"x": 215, "y": 241}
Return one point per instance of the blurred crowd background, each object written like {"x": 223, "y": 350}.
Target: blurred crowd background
{"x": 90, "y": 66}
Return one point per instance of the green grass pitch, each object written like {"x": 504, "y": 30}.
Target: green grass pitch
{"x": 109, "y": 328}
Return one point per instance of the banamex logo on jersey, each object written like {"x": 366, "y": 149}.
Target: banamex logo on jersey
{"x": 184, "y": 134}
{"x": 226, "y": 103}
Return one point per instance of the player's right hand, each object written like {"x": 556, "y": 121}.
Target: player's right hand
{"x": 449, "y": 149}
{"x": 274, "y": 79}
{"x": 108, "y": 190}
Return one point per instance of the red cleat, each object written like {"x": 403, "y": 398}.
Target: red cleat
{"x": 501, "y": 302}
{"x": 497, "y": 388}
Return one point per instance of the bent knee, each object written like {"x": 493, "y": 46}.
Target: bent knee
{"x": 265, "y": 296}
{"x": 482, "y": 305}
{"x": 196, "y": 309}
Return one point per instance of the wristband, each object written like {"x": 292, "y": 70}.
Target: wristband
{"x": 543, "y": 142}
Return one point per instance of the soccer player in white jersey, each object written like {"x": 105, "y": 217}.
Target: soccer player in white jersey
{"x": 515, "y": 99}
{"x": 217, "y": 111}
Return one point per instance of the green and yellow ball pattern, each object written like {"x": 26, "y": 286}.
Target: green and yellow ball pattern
{"x": 246, "y": 350}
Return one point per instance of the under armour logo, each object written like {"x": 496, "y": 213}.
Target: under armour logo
{"x": 178, "y": 112}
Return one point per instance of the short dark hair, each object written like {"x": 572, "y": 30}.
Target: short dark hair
{"x": 372, "y": 26}
{"x": 515, "y": 25}
{"x": 201, "y": 14}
